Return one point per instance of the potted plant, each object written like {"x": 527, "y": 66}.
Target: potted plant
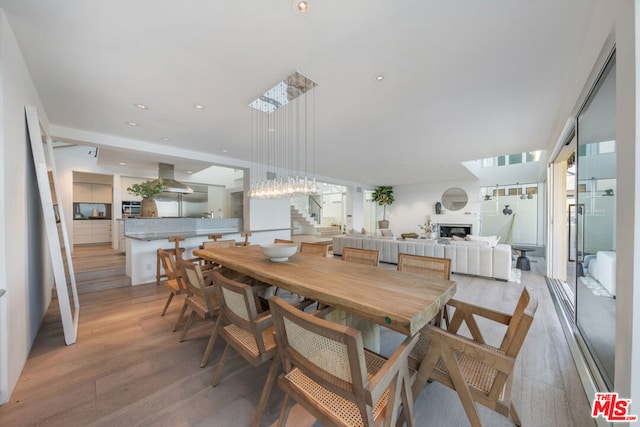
{"x": 428, "y": 228}
{"x": 383, "y": 196}
{"x": 147, "y": 190}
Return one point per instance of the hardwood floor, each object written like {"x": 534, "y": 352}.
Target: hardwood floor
{"x": 128, "y": 368}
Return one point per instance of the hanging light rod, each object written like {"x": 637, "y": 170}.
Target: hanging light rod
{"x": 283, "y": 140}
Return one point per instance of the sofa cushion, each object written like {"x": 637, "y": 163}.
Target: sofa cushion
{"x": 476, "y": 258}
{"x": 469, "y": 243}
{"x": 491, "y": 240}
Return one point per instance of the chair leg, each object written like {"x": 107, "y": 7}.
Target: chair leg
{"x": 514, "y": 415}
{"x": 284, "y": 412}
{"x": 393, "y": 401}
{"x": 212, "y": 340}
{"x": 164, "y": 310}
{"x": 266, "y": 391}
{"x": 216, "y": 375}
{"x": 187, "y": 325}
{"x": 461, "y": 386}
{"x": 407, "y": 400}
{"x": 180, "y": 317}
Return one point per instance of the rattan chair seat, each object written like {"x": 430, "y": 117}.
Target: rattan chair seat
{"x": 248, "y": 340}
{"x": 344, "y": 409}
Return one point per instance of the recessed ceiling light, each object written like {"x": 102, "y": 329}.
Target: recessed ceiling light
{"x": 132, "y": 124}
{"x": 141, "y": 106}
{"x": 189, "y": 171}
{"x": 198, "y": 106}
{"x": 164, "y": 138}
{"x": 379, "y": 77}
{"x": 224, "y": 151}
{"x": 122, "y": 164}
{"x": 302, "y": 6}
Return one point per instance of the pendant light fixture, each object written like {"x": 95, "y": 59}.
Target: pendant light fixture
{"x": 283, "y": 140}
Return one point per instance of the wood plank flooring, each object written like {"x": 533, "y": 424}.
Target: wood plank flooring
{"x": 128, "y": 369}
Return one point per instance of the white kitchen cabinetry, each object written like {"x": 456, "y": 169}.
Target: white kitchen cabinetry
{"x": 91, "y": 193}
{"x": 91, "y": 232}
{"x": 126, "y": 182}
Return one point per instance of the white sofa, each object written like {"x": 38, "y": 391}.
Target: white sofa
{"x": 603, "y": 269}
{"x": 466, "y": 257}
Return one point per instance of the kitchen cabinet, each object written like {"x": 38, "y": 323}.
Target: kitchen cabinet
{"x": 91, "y": 193}
{"x": 126, "y": 182}
{"x": 87, "y": 232}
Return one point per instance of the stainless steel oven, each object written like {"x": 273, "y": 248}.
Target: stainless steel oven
{"x": 130, "y": 209}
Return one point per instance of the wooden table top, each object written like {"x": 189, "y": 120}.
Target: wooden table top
{"x": 401, "y": 301}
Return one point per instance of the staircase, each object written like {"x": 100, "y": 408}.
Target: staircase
{"x": 303, "y": 223}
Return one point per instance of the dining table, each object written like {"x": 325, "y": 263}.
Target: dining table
{"x": 402, "y": 301}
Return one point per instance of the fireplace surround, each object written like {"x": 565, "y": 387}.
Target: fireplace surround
{"x": 458, "y": 230}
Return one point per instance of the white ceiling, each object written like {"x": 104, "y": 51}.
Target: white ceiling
{"x": 463, "y": 79}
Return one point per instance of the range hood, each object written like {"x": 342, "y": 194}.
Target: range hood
{"x": 166, "y": 175}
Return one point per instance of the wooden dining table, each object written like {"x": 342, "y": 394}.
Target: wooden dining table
{"x": 402, "y": 301}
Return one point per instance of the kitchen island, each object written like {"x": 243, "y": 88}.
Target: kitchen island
{"x": 144, "y": 236}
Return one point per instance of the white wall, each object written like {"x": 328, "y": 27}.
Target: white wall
{"x": 621, "y": 20}
{"x": 414, "y": 202}
{"x": 25, "y": 268}
{"x": 270, "y": 214}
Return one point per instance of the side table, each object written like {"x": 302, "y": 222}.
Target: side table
{"x": 523, "y": 263}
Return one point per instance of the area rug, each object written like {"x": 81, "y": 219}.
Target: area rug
{"x": 516, "y": 275}
{"x": 595, "y": 286}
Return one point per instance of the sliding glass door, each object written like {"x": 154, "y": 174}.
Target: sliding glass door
{"x": 594, "y": 225}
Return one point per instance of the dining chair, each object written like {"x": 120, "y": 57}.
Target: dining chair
{"x": 214, "y": 237}
{"x": 428, "y": 266}
{"x": 331, "y": 375}
{"x": 174, "y": 277}
{"x": 314, "y": 249}
{"x": 282, "y": 241}
{"x": 361, "y": 256}
{"x": 246, "y": 236}
{"x": 477, "y": 371}
{"x": 160, "y": 274}
{"x": 248, "y": 332}
{"x": 216, "y": 244}
{"x": 201, "y": 299}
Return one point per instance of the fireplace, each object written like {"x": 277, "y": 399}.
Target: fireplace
{"x": 450, "y": 230}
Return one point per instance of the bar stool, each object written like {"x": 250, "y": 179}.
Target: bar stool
{"x": 177, "y": 252}
{"x": 246, "y": 236}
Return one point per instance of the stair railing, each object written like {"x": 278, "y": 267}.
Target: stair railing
{"x": 315, "y": 209}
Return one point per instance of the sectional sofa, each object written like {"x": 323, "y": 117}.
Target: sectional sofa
{"x": 472, "y": 258}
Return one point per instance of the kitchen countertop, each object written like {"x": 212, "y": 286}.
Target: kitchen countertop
{"x": 163, "y": 228}
{"x": 149, "y": 236}
{"x": 91, "y": 219}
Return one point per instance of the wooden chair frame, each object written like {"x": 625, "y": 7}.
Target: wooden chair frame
{"x": 456, "y": 361}
{"x": 367, "y": 385}
{"x": 282, "y": 241}
{"x": 240, "y": 322}
{"x": 314, "y": 249}
{"x": 432, "y": 266}
{"x": 201, "y": 299}
{"x": 174, "y": 282}
{"x": 361, "y": 256}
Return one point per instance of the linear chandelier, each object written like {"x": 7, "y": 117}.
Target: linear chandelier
{"x": 283, "y": 140}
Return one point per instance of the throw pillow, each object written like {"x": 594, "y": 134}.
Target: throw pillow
{"x": 386, "y": 233}
{"x": 491, "y": 240}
